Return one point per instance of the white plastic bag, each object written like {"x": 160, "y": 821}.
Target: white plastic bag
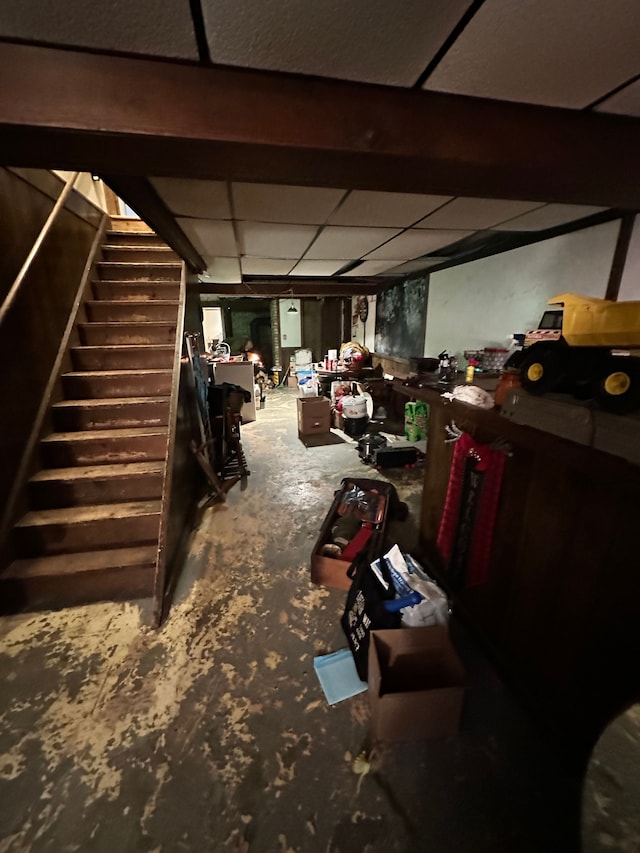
{"x": 433, "y": 609}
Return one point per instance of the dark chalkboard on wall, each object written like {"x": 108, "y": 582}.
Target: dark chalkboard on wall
{"x": 401, "y": 314}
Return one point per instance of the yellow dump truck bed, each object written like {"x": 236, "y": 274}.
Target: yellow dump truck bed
{"x": 589, "y": 322}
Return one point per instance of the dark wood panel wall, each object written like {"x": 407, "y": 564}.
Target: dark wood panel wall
{"x": 31, "y": 333}
{"x": 561, "y": 608}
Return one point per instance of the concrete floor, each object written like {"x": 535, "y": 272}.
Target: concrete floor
{"x": 213, "y": 734}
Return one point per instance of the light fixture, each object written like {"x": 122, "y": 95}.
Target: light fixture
{"x": 292, "y": 308}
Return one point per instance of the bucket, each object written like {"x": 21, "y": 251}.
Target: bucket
{"x": 355, "y": 427}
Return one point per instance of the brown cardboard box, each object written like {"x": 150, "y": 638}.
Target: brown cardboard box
{"x": 416, "y": 684}
{"x": 314, "y": 415}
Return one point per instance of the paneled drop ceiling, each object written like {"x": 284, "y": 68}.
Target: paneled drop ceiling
{"x": 270, "y": 229}
{"x": 571, "y": 54}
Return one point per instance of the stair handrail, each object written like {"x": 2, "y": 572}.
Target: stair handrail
{"x": 160, "y": 574}
{"x": 19, "y": 280}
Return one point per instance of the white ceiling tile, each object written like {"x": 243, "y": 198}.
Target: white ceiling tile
{"x": 416, "y": 242}
{"x": 317, "y": 267}
{"x": 565, "y": 54}
{"x": 371, "y": 268}
{"x": 393, "y": 210}
{"x": 547, "y": 217}
{"x": 146, "y": 26}
{"x": 476, "y": 213}
{"x": 420, "y": 265}
{"x": 266, "y": 266}
{"x": 186, "y": 197}
{"x": 369, "y": 40}
{"x": 210, "y": 237}
{"x": 270, "y": 240}
{"x": 625, "y": 102}
{"x": 348, "y": 243}
{"x": 222, "y": 270}
{"x": 281, "y": 203}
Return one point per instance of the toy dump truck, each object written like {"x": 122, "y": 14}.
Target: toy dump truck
{"x": 588, "y": 347}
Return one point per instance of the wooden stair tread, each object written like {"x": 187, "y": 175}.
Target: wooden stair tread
{"x": 98, "y": 434}
{"x": 122, "y": 323}
{"x": 124, "y": 348}
{"x": 133, "y": 303}
{"x": 76, "y": 515}
{"x": 82, "y": 561}
{"x": 108, "y": 402}
{"x": 137, "y": 282}
{"x": 140, "y": 264}
{"x": 99, "y": 472}
{"x": 119, "y": 373}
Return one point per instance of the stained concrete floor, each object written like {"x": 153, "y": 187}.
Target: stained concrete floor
{"x": 213, "y": 734}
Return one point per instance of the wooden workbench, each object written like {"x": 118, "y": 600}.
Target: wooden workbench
{"x": 561, "y": 609}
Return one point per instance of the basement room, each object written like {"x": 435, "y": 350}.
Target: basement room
{"x": 321, "y": 467}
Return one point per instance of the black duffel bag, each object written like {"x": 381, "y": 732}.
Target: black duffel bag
{"x": 365, "y": 611}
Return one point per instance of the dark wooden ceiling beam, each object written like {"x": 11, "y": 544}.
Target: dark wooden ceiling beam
{"x": 140, "y": 195}
{"x": 120, "y": 115}
{"x": 292, "y": 288}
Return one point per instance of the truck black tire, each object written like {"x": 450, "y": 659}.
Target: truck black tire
{"x": 543, "y": 368}
{"x": 617, "y": 388}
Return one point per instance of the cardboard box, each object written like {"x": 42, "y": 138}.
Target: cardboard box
{"x": 314, "y": 415}
{"x": 416, "y": 684}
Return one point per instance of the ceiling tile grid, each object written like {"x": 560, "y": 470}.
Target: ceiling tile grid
{"x": 475, "y": 213}
{"x": 366, "y": 40}
{"x": 624, "y": 102}
{"x": 188, "y": 197}
{"x": 274, "y": 240}
{"x": 385, "y": 209}
{"x": 548, "y": 216}
{"x": 317, "y": 268}
{"x": 267, "y": 266}
{"x": 414, "y": 242}
{"x": 564, "y": 54}
{"x": 295, "y": 247}
{"x": 144, "y": 27}
{"x": 347, "y": 243}
{"x": 210, "y": 237}
{"x": 279, "y": 203}
{"x": 370, "y": 268}
{"x": 222, "y": 270}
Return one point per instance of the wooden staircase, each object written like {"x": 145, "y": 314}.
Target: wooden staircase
{"x": 91, "y": 532}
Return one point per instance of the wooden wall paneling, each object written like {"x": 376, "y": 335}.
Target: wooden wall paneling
{"x": 488, "y": 602}
{"x": 330, "y": 319}
{"x": 546, "y": 515}
{"x": 31, "y": 334}
{"x": 589, "y": 569}
{"x": 23, "y": 212}
{"x": 436, "y": 474}
{"x": 606, "y": 676}
{"x": 311, "y": 310}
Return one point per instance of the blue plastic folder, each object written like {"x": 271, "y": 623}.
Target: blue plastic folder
{"x": 338, "y": 677}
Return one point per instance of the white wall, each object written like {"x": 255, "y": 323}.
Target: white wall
{"x": 630, "y": 283}
{"x": 212, "y": 325}
{"x": 290, "y": 325}
{"x": 93, "y": 190}
{"x": 482, "y": 303}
